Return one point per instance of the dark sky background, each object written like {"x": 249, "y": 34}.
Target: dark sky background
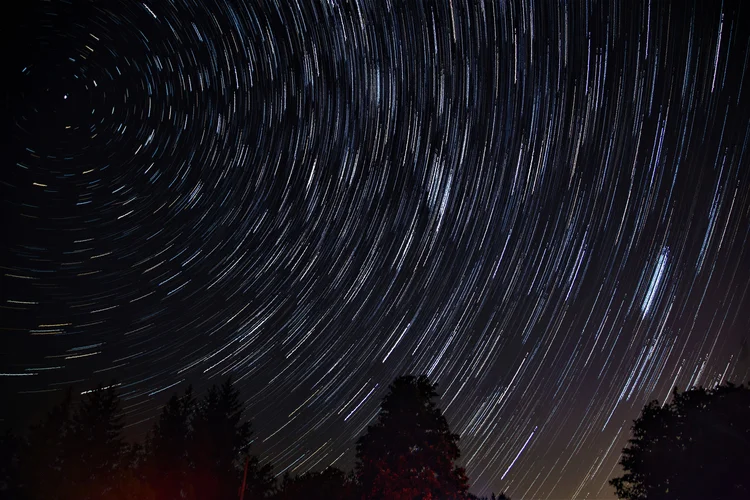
{"x": 544, "y": 206}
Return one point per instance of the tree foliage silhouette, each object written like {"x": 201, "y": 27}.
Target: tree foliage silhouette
{"x": 697, "y": 446}
{"x": 260, "y": 481}
{"x": 44, "y": 453}
{"x": 410, "y": 452}
{"x": 502, "y": 496}
{"x": 329, "y": 484}
{"x": 197, "y": 449}
{"x": 166, "y": 463}
{"x": 77, "y": 452}
{"x": 98, "y": 452}
{"x": 10, "y": 465}
{"x": 219, "y": 444}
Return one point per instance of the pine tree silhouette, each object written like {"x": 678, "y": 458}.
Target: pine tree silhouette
{"x": 46, "y": 453}
{"x": 219, "y": 446}
{"x": 410, "y": 452}
{"x": 166, "y": 464}
{"x": 96, "y": 452}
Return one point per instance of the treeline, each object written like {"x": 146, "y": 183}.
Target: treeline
{"x": 199, "y": 449}
{"x": 695, "y": 447}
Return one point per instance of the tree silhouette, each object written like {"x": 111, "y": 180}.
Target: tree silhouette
{"x": 409, "y": 453}
{"x": 502, "y": 496}
{"x": 259, "y": 479}
{"x": 694, "y": 447}
{"x": 129, "y": 482}
{"x": 76, "y": 451}
{"x": 166, "y": 464}
{"x": 10, "y": 466}
{"x": 45, "y": 453}
{"x": 96, "y": 452}
{"x": 330, "y": 484}
{"x": 218, "y": 447}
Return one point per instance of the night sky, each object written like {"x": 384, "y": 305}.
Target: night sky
{"x": 544, "y": 206}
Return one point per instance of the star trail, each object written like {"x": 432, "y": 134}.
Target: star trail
{"x": 543, "y": 206}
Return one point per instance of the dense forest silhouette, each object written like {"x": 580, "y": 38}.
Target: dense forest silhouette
{"x": 695, "y": 447}
{"x": 199, "y": 449}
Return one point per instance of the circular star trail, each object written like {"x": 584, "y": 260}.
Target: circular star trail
{"x": 543, "y": 206}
